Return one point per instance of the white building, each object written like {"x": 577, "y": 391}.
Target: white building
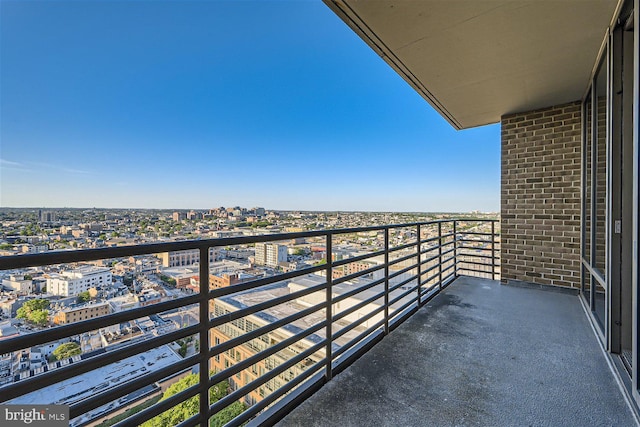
{"x": 72, "y": 282}
{"x": 270, "y": 254}
{"x": 19, "y": 284}
{"x": 184, "y": 258}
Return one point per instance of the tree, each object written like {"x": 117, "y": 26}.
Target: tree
{"x": 84, "y": 296}
{"x": 34, "y": 311}
{"x": 227, "y": 414}
{"x": 39, "y": 317}
{"x": 190, "y": 407}
{"x": 66, "y": 350}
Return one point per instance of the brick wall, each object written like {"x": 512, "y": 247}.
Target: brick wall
{"x": 541, "y": 196}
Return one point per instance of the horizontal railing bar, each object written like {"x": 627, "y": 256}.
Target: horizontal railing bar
{"x": 403, "y": 307}
{"x": 433, "y": 276}
{"x": 245, "y": 286}
{"x": 356, "y": 291}
{"x": 399, "y": 297}
{"x": 65, "y": 331}
{"x": 435, "y": 238}
{"x": 448, "y": 278}
{"x": 404, "y": 246}
{"x": 449, "y": 267}
{"x": 100, "y": 399}
{"x": 357, "y": 274}
{"x": 431, "y": 258}
{"x": 355, "y": 307}
{"x": 429, "y": 269}
{"x": 451, "y": 258}
{"x": 429, "y": 249}
{"x": 475, "y": 271}
{"x": 256, "y": 308}
{"x": 404, "y": 270}
{"x": 463, "y": 261}
{"x": 425, "y": 291}
{"x": 252, "y": 360}
{"x": 477, "y": 256}
{"x": 479, "y": 246}
{"x": 474, "y": 248}
{"x": 357, "y": 323}
{"x": 403, "y": 258}
{"x": 247, "y": 388}
{"x": 248, "y": 336}
{"x": 404, "y": 282}
{"x": 474, "y": 263}
{"x": 136, "y": 420}
{"x": 54, "y": 376}
{"x": 357, "y": 258}
{"x": 255, "y": 409}
{"x": 475, "y": 233}
{"x": 358, "y": 338}
{"x": 448, "y": 251}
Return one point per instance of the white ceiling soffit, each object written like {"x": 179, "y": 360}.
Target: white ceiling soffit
{"x": 476, "y": 60}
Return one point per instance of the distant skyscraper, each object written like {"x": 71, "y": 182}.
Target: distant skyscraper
{"x": 179, "y": 216}
{"x": 46, "y": 216}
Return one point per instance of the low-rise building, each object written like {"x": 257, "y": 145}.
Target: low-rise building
{"x": 18, "y": 283}
{"x": 81, "y": 312}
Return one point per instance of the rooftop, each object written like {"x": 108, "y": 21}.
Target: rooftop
{"x": 479, "y": 353}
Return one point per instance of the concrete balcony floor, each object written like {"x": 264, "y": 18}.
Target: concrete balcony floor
{"x": 482, "y": 354}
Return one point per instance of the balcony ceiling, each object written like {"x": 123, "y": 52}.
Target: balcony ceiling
{"x": 475, "y": 60}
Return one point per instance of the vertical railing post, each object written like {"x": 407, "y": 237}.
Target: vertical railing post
{"x": 455, "y": 248}
{"x": 439, "y": 255}
{"x": 204, "y": 336}
{"x": 419, "y": 274}
{"x": 386, "y": 280}
{"x": 493, "y": 250}
{"x": 329, "y": 298}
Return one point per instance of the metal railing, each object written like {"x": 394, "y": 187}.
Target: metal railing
{"x": 355, "y": 311}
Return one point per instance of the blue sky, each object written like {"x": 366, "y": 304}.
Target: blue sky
{"x": 197, "y": 104}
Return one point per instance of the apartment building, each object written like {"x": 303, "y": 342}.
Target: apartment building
{"x": 18, "y": 283}
{"x": 270, "y": 254}
{"x": 72, "y": 282}
{"x": 183, "y": 258}
{"x": 82, "y": 312}
{"x": 236, "y": 328}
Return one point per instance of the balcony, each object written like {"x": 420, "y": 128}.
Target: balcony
{"x": 472, "y": 351}
{"x": 480, "y": 353}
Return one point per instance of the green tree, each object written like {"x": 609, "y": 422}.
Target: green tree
{"x": 227, "y": 414}
{"x": 84, "y": 296}
{"x": 190, "y": 407}
{"x": 39, "y": 317}
{"x": 34, "y": 311}
{"x": 66, "y": 350}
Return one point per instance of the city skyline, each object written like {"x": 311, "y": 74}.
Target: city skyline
{"x": 191, "y": 105}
